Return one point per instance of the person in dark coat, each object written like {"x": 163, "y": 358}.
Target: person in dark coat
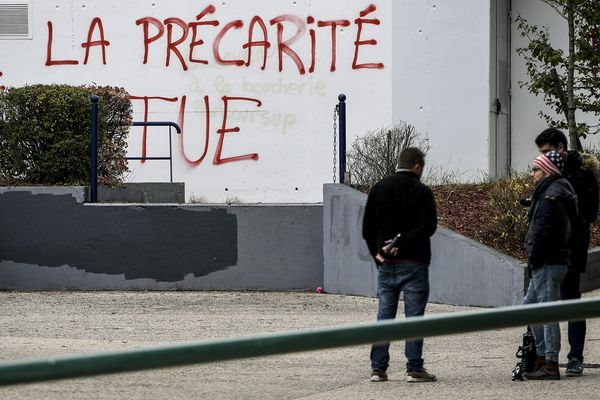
{"x": 401, "y": 206}
{"x": 548, "y": 243}
{"x": 581, "y": 170}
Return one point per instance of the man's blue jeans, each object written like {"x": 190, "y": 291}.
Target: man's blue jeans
{"x": 413, "y": 280}
{"x": 544, "y": 285}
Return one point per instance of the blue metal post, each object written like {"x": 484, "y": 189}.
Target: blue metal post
{"x": 170, "y": 156}
{"x": 94, "y": 152}
{"x": 342, "y": 139}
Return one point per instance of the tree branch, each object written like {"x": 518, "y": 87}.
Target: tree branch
{"x": 557, "y": 7}
{"x": 564, "y": 104}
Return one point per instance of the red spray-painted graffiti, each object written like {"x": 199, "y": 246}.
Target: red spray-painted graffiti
{"x": 146, "y": 100}
{"x": 95, "y": 24}
{"x": 2, "y": 87}
{"x": 218, "y": 159}
{"x": 283, "y": 46}
{"x": 282, "y": 23}
{"x": 290, "y": 30}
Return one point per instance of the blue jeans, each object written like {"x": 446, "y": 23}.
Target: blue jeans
{"x": 544, "y": 285}
{"x": 413, "y": 280}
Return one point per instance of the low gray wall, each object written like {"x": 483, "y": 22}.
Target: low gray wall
{"x": 348, "y": 265}
{"x": 591, "y": 279}
{"x": 462, "y": 271}
{"x": 51, "y": 240}
{"x": 152, "y": 192}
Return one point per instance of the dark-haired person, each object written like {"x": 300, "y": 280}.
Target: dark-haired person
{"x": 580, "y": 170}
{"x": 401, "y": 204}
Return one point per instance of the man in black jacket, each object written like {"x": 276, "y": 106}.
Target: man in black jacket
{"x": 580, "y": 171}
{"x": 401, "y": 205}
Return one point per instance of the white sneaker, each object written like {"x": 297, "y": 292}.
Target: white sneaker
{"x": 378, "y": 376}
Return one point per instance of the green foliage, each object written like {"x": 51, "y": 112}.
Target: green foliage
{"x": 508, "y": 220}
{"x": 375, "y": 155}
{"x": 45, "y": 134}
{"x": 568, "y": 81}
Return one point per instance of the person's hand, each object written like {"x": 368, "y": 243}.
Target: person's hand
{"x": 525, "y": 202}
{"x": 394, "y": 250}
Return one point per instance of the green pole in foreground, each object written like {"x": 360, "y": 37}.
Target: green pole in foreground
{"x": 290, "y": 342}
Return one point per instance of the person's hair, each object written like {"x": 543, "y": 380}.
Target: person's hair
{"x": 409, "y": 157}
{"x": 551, "y": 136}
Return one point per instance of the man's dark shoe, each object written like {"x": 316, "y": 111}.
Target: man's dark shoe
{"x": 574, "y": 368}
{"x": 378, "y": 376}
{"x": 419, "y": 376}
{"x": 548, "y": 372}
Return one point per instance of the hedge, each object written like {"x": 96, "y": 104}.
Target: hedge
{"x": 45, "y": 134}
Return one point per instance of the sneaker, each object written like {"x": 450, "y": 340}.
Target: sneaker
{"x": 378, "y": 376}
{"x": 574, "y": 368}
{"x": 419, "y": 376}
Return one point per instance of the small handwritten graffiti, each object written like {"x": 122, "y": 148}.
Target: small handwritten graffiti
{"x": 221, "y": 86}
{"x": 284, "y": 88}
{"x": 280, "y": 122}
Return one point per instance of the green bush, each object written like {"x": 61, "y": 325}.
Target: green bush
{"x": 508, "y": 220}
{"x": 45, "y": 134}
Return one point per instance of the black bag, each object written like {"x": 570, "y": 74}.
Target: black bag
{"x": 527, "y": 356}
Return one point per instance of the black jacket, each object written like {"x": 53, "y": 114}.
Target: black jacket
{"x": 580, "y": 170}
{"x": 401, "y": 204}
{"x": 553, "y": 207}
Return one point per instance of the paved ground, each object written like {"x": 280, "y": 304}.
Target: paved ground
{"x": 471, "y": 366}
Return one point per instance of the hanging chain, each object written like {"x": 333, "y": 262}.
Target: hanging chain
{"x": 335, "y": 119}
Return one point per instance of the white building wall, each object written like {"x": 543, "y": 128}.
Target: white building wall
{"x": 435, "y": 75}
{"x": 526, "y": 124}
{"x": 442, "y": 81}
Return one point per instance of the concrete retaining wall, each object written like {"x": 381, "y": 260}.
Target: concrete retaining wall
{"x": 462, "y": 272}
{"x": 51, "y": 240}
{"x": 591, "y": 279}
{"x": 152, "y": 192}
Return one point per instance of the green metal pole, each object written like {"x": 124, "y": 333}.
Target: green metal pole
{"x": 290, "y": 342}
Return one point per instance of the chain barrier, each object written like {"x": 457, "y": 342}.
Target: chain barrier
{"x": 335, "y": 120}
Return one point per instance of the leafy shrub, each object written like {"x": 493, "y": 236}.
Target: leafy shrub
{"x": 375, "y": 155}
{"x": 45, "y": 134}
{"x": 508, "y": 223}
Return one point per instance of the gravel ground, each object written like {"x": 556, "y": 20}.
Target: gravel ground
{"x": 44, "y": 324}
